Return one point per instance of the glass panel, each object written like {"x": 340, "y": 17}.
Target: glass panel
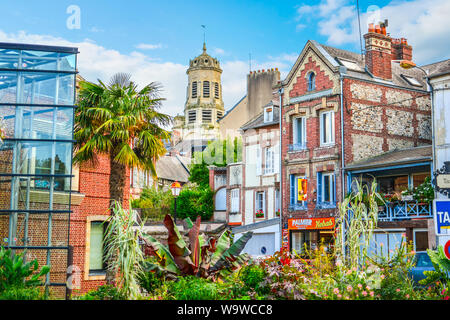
{"x": 326, "y": 188}
{"x": 53, "y": 61}
{"x": 8, "y": 87}
{"x": 96, "y": 246}
{"x": 45, "y": 88}
{"x": 9, "y": 59}
{"x": 324, "y": 128}
{"x": 299, "y": 130}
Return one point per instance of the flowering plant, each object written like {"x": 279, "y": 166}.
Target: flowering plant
{"x": 278, "y": 213}
{"x": 259, "y": 213}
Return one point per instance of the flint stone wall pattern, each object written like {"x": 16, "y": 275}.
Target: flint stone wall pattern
{"x": 365, "y": 146}
{"x": 400, "y": 123}
{"x": 398, "y": 98}
{"x": 399, "y": 144}
{"x": 424, "y": 103}
{"x": 367, "y": 118}
{"x": 363, "y": 92}
{"x": 424, "y": 126}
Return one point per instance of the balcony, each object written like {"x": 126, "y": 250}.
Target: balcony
{"x": 404, "y": 210}
{"x": 297, "y": 147}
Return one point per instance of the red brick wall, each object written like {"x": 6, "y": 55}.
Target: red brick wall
{"x": 94, "y": 184}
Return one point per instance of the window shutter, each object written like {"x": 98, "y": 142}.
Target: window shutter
{"x": 258, "y": 161}
{"x": 334, "y": 189}
{"x": 319, "y": 187}
{"x": 276, "y": 158}
{"x": 264, "y": 203}
{"x": 295, "y": 131}
{"x": 292, "y": 194}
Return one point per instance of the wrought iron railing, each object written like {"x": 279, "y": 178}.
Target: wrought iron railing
{"x": 297, "y": 147}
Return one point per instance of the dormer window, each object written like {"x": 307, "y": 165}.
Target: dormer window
{"x": 412, "y": 81}
{"x": 351, "y": 65}
{"x": 268, "y": 114}
{"x": 311, "y": 81}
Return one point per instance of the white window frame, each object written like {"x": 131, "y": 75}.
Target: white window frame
{"x": 263, "y": 200}
{"x": 268, "y": 115}
{"x": 269, "y": 158}
{"x": 235, "y": 200}
{"x": 330, "y": 189}
{"x": 328, "y": 138}
{"x": 295, "y": 131}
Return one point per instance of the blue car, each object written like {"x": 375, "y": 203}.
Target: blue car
{"x": 423, "y": 263}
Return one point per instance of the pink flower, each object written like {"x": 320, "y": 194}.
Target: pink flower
{"x": 367, "y": 287}
{"x": 407, "y": 296}
{"x": 339, "y": 296}
{"x": 360, "y": 285}
{"x": 398, "y": 290}
{"x": 364, "y": 293}
{"x": 349, "y": 288}
{"x": 371, "y": 293}
{"x": 336, "y": 290}
{"x": 349, "y": 272}
{"x": 382, "y": 276}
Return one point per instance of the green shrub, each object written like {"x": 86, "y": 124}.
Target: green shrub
{"x": 21, "y": 293}
{"x": 15, "y": 273}
{"x": 253, "y": 276}
{"x": 150, "y": 281}
{"x": 193, "y": 288}
{"x": 105, "y": 292}
{"x": 193, "y": 202}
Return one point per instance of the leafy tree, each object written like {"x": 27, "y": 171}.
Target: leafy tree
{"x": 193, "y": 202}
{"x": 218, "y": 153}
{"x": 123, "y": 122}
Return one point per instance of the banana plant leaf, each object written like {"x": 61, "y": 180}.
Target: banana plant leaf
{"x": 223, "y": 244}
{"x": 162, "y": 253}
{"x": 232, "y": 252}
{"x": 178, "y": 247}
{"x": 195, "y": 245}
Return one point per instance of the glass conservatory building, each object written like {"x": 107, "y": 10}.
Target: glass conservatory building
{"x": 37, "y": 97}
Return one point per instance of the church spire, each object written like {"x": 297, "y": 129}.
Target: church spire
{"x": 204, "y": 47}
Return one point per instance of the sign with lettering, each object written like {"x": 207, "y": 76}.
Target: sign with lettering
{"x": 302, "y": 187}
{"x": 311, "y": 223}
{"x": 441, "y": 179}
{"x": 442, "y": 217}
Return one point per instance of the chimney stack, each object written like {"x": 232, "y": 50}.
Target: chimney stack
{"x": 401, "y": 50}
{"x": 378, "y": 51}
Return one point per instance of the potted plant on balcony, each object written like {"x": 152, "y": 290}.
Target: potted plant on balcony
{"x": 260, "y": 213}
{"x": 277, "y": 213}
{"x": 424, "y": 193}
{"x": 407, "y": 195}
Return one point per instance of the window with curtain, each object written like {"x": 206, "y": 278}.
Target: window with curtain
{"x": 270, "y": 160}
{"x": 96, "y": 247}
{"x": 326, "y": 189}
{"x": 299, "y": 133}
{"x": 327, "y": 128}
{"x": 260, "y": 202}
{"x": 234, "y": 200}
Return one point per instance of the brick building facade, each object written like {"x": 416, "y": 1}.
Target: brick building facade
{"x": 338, "y": 108}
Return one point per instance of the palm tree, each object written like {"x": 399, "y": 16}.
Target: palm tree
{"x": 123, "y": 122}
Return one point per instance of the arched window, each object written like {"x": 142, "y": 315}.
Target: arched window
{"x": 311, "y": 81}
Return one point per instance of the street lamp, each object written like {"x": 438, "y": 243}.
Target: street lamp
{"x": 175, "y": 188}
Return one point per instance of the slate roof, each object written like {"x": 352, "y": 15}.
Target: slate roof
{"x": 438, "y": 68}
{"x": 258, "y": 121}
{"x": 395, "y": 157}
{"x": 173, "y": 168}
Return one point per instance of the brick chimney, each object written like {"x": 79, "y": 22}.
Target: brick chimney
{"x": 401, "y": 50}
{"x": 378, "y": 51}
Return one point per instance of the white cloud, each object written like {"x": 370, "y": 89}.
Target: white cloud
{"x": 97, "y": 62}
{"x": 424, "y": 23}
{"x": 148, "y": 46}
{"x": 219, "y": 51}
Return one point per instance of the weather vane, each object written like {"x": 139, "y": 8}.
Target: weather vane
{"x": 204, "y": 33}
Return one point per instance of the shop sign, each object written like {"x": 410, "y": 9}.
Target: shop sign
{"x": 302, "y": 187}
{"x": 285, "y": 240}
{"x": 442, "y": 217}
{"x": 311, "y": 223}
{"x": 441, "y": 179}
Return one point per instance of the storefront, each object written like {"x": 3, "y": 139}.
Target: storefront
{"x": 309, "y": 233}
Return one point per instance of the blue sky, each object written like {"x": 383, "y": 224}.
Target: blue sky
{"x": 154, "y": 40}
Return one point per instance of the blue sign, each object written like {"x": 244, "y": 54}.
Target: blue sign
{"x": 442, "y": 217}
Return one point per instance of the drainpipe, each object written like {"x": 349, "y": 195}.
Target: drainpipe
{"x": 280, "y": 92}
{"x": 341, "y": 77}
